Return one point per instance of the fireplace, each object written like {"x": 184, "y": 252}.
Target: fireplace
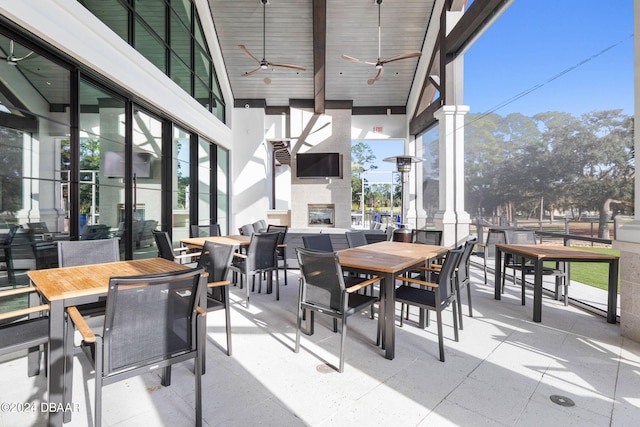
{"x": 321, "y": 215}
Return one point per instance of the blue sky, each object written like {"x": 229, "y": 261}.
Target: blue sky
{"x": 535, "y": 40}
{"x": 556, "y": 46}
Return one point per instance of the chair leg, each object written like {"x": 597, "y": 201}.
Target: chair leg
{"x": 284, "y": 259}
{"x": 459, "y": 302}
{"x": 455, "y": 320}
{"x": 198, "y": 384}
{"x": 469, "y": 299}
{"x": 440, "y": 338}
{"x": 343, "y": 334}
{"x": 248, "y": 292}
{"x": 98, "y": 383}
{"x": 227, "y": 314}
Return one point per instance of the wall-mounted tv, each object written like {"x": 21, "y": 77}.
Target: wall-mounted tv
{"x": 319, "y": 165}
{"x": 114, "y": 164}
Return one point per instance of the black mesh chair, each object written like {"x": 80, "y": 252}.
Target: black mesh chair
{"x": 24, "y": 328}
{"x": 95, "y": 232}
{"x": 152, "y": 321}
{"x": 167, "y": 251}
{"x": 281, "y": 249}
{"x": 324, "y": 289}
{"x": 204, "y": 230}
{"x": 356, "y": 238}
{"x": 260, "y": 258}
{"x": 7, "y": 233}
{"x": 318, "y": 242}
{"x": 463, "y": 277}
{"x": 528, "y": 237}
{"x": 434, "y": 296}
{"x": 427, "y": 237}
{"x": 215, "y": 260}
{"x": 85, "y": 252}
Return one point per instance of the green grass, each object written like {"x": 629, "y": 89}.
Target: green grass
{"x": 594, "y": 274}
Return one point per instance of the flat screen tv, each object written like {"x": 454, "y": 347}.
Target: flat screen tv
{"x": 114, "y": 164}
{"x": 319, "y": 165}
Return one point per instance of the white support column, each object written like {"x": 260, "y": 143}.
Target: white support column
{"x": 451, "y": 216}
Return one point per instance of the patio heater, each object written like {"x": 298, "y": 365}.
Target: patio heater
{"x": 403, "y": 165}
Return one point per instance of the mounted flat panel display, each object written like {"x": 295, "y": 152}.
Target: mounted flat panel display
{"x": 319, "y": 165}
{"x": 114, "y": 164}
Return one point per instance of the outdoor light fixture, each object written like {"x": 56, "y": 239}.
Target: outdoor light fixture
{"x": 403, "y": 165}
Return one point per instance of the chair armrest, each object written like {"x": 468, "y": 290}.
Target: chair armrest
{"x": 189, "y": 255}
{"x": 354, "y": 288}
{"x": 23, "y": 311}
{"x": 18, "y": 291}
{"x": 201, "y": 311}
{"x": 216, "y": 284}
{"x": 81, "y": 324}
{"x": 239, "y": 255}
{"x": 416, "y": 281}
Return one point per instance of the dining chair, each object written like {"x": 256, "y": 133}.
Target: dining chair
{"x": 281, "y": 249}
{"x": 389, "y": 231}
{"x": 167, "y": 251}
{"x": 433, "y": 296}
{"x": 487, "y": 250}
{"x": 259, "y": 258}
{"x": 260, "y": 226}
{"x": 152, "y": 321}
{"x": 528, "y": 237}
{"x": 215, "y": 260}
{"x": 463, "y": 277}
{"x": 204, "y": 230}
{"x": 85, "y": 252}
{"x": 319, "y": 242}
{"x": 427, "y": 237}
{"x": 247, "y": 230}
{"x": 7, "y": 233}
{"x": 325, "y": 289}
{"x": 356, "y": 238}
{"x": 24, "y": 328}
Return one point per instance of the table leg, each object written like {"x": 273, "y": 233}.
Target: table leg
{"x": 537, "y": 291}
{"x": 388, "y": 334}
{"x": 56, "y": 361}
{"x": 498, "y": 275}
{"x": 612, "y": 302}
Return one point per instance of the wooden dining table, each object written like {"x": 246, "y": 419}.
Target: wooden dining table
{"x": 538, "y": 254}
{"x": 388, "y": 260}
{"x": 70, "y": 286}
{"x": 237, "y": 240}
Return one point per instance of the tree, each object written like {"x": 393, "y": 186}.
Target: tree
{"x": 362, "y": 159}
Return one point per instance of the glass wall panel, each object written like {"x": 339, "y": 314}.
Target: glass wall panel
{"x": 202, "y": 94}
{"x": 147, "y": 182}
{"x": 154, "y": 14}
{"x": 180, "y": 39}
{"x": 204, "y": 181}
{"x": 112, "y": 12}
{"x": 148, "y": 44}
{"x": 34, "y": 120}
{"x": 222, "y": 180}
{"x": 431, "y": 171}
{"x": 102, "y": 168}
{"x": 180, "y": 184}
{"x": 182, "y": 9}
{"x": 180, "y": 74}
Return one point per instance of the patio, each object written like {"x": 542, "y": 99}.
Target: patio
{"x": 502, "y": 372}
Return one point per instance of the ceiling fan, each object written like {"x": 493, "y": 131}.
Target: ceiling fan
{"x": 264, "y": 64}
{"x": 11, "y": 58}
{"x": 379, "y": 64}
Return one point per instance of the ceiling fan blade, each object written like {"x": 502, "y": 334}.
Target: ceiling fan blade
{"x": 24, "y": 57}
{"x": 295, "y": 67}
{"x": 246, "y": 52}
{"x": 250, "y": 73}
{"x": 377, "y": 77}
{"x": 403, "y": 56}
{"x": 352, "y": 59}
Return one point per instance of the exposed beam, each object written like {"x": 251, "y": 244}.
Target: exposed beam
{"x": 472, "y": 23}
{"x": 319, "y": 54}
